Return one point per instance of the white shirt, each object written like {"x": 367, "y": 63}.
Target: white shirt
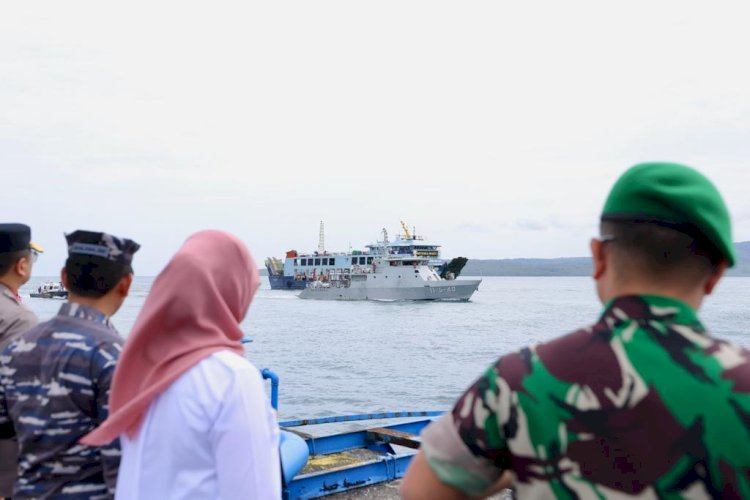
{"x": 212, "y": 434}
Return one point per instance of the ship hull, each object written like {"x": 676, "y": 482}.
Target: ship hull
{"x": 49, "y": 295}
{"x": 286, "y": 283}
{"x": 440, "y": 290}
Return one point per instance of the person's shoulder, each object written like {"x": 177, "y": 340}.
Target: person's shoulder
{"x": 92, "y": 333}
{"x": 7, "y": 299}
{"x": 231, "y": 362}
{"x": 10, "y": 306}
{"x": 28, "y": 316}
{"x": 568, "y": 353}
{"x": 34, "y": 332}
{"x": 229, "y": 371}
{"x": 14, "y": 322}
{"x": 563, "y": 345}
{"x": 86, "y": 338}
{"x": 578, "y": 341}
{"x": 734, "y": 361}
{"x": 107, "y": 337}
{"x": 214, "y": 377}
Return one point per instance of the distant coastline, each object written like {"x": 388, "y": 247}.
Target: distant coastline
{"x": 570, "y": 266}
{"x": 566, "y": 266}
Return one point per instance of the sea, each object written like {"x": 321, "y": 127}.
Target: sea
{"x": 340, "y": 358}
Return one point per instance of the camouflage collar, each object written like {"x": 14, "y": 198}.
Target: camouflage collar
{"x": 81, "y": 311}
{"x": 650, "y": 307}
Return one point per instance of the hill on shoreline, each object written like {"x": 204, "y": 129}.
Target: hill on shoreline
{"x": 570, "y": 266}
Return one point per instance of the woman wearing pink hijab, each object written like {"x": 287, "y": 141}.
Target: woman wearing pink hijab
{"x": 190, "y": 410}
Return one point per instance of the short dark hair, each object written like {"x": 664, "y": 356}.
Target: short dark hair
{"x": 9, "y": 259}
{"x": 659, "y": 251}
{"x": 92, "y": 276}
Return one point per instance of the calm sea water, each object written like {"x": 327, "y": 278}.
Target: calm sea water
{"x": 355, "y": 357}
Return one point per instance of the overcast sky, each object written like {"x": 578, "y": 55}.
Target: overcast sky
{"x": 495, "y": 128}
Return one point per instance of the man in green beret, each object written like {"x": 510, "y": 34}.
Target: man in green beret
{"x": 643, "y": 403}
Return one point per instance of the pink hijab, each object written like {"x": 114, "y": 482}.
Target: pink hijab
{"x": 194, "y": 309}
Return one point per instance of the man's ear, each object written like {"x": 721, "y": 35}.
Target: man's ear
{"x": 713, "y": 280}
{"x": 23, "y": 267}
{"x": 124, "y": 285}
{"x": 64, "y": 278}
{"x": 598, "y": 258}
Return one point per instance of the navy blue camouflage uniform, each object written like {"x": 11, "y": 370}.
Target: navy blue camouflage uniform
{"x": 54, "y": 388}
{"x": 55, "y": 381}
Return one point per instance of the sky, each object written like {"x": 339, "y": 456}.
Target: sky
{"x": 495, "y": 128}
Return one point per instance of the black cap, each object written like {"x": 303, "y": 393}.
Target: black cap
{"x": 106, "y": 246}
{"x": 15, "y": 237}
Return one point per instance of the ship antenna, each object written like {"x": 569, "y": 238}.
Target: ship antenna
{"x": 385, "y": 242}
{"x": 321, "y": 240}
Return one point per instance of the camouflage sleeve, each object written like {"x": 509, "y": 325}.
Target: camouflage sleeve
{"x": 6, "y": 424}
{"x": 466, "y": 447}
{"x": 104, "y": 361}
{"x": 7, "y": 430}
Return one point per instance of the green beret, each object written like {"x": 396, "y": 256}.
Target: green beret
{"x": 675, "y": 196}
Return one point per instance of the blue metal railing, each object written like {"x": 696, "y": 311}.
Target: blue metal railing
{"x": 268, "y": 374}
{"x": 274, "y": 378}
{"x": 359, "y": 416}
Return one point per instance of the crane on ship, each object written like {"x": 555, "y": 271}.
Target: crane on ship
{"x": 406, "y": 231}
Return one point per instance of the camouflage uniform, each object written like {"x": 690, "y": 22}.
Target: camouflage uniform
{"x": 54, "y": 388}
{"x": 643, "y": 403}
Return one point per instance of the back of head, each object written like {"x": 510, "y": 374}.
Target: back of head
{"x": 666, "y": 222}
{"x": 97, "y": 262}
{"x": 650, "y": 251}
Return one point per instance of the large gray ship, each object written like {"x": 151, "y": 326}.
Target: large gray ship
{"x": 389, "y": 277}
{"x": 300, "y": 269}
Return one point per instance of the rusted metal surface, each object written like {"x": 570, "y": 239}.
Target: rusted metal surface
{"x": 389, "y": 491}
{"x": 317, "y": 463}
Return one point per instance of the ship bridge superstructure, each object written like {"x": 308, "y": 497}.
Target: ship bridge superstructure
{"x": 299, "y": 268}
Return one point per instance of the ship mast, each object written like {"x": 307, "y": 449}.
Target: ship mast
{"x": 321, "y": 240}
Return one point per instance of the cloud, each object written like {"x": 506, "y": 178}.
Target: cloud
{"x": 468, "y": 227}
{"x": 531, "y": 225}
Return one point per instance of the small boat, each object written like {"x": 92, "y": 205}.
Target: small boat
{"x": 318, "y": 466}
{"x": 50, "y": 290}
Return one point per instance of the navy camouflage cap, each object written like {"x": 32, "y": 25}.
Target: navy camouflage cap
{"x": 102, "y": 245}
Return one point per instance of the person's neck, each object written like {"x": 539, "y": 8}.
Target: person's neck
{"x": 12, "y": 285}
{"x": 104, "y": 304}
{"x": 692, "y": 297}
